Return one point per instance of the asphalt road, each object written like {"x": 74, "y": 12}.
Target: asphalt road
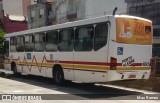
{"x": 70, "y": 92}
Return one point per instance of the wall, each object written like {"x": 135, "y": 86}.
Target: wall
{"x": 25, "y": 4}
{"x": 34, "y": 18}
{"x": 13, "y": 7}
{"x": 14, "y": 26}
{"x": 104, "y": 7}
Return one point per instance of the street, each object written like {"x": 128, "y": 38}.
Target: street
{"x": 70, "y": 92}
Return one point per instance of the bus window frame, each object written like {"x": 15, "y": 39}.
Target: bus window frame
{"x": 57, "y": 36}
{"x": 43, "y": 33}
{"x": 75, "y": 33}
{"x": 30, "y": 42}
{"x": 20, "y": 44}
{"x": 107, "y": 36}
{"x": 73, "y": 36}
{"x": 14, "y": 43}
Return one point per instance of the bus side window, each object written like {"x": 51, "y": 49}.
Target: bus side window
{"x": 101, "y": 33}
{"x": 29, "y": 43}
{"x": 51, "y": 40}
{"x": 84, "y": 38}
{"x": 20, "y": 44}
{"x": 39, "y": 42}
{"x": 13, "y": 44}
{"x": 66, "y": 40}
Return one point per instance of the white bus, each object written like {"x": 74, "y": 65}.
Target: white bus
{"x": 97, "y": 50}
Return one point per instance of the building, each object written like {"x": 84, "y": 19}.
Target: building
{"x": 149, "y": 9}
{"x": 38, "y": 14}
{"x": 1, "y": 5}
{"x": 25, "y": 4}
{"x": 1, "y": 15}
{"x": 60, "y": 11}
{"x": 16, "y": 7}
{"x": 11, "y": 23}
{"x": 69, "y": 10}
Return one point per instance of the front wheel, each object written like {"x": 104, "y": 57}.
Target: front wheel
{"x": 14, "y": 69}
{"x": 58, "y": 75}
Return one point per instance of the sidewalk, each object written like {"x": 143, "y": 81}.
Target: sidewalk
{"x": 152, "y": 84}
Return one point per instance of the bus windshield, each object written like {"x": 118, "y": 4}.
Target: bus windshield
{"x": 133, "y": 31}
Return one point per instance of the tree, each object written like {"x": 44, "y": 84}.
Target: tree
{"x": 2, "y": 33}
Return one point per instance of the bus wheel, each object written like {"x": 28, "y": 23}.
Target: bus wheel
{"x": 58, "y": 75}
{"x": 14, "y": 69}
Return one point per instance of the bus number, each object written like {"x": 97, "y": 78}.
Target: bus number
{"x": 139, "y": 28}
{"x": 145, "y": 63}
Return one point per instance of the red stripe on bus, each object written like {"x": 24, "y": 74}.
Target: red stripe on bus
{"x": 86, "y": 63}
{"x": 50, "y": 61}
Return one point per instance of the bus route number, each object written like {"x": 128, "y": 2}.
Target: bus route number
{"x": 145, "y": 63}
{"x": 139, "y": 28}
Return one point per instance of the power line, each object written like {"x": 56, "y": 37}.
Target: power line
{"x": 18, "y": 9}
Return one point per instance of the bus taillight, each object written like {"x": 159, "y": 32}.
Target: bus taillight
{"x": 113, "y": 64}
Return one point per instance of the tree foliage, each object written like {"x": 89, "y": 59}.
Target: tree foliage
{"x": 2, "y": 33}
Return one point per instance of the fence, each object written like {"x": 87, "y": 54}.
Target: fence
{"x": 155, "y": 66}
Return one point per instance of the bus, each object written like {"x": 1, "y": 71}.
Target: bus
{"x": 96, "y": 50}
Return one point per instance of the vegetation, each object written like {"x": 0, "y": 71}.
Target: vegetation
{"x": 2, "y": 33}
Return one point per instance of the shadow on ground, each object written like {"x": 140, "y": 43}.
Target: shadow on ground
{"x": 75, "y": 90}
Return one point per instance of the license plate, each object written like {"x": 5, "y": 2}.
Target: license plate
{"x": 132, "y": 76}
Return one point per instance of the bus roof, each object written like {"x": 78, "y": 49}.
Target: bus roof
{"x": 135, "y": 17}
{"x": 70, "y": 24}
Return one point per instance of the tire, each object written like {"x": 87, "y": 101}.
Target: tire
{"x": 58, "y": 75}
{"x": 14, "y": 69}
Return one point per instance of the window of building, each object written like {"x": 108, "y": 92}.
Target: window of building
{"x": 51, "y": 41}
{"x": 84, "y": 38}
{"x": 29, "y": 43}
{"x": 20, "y": 44}
{"x": 66, "y": 40}
{"x": 101, "y": 33}
{"x": 39, "y": 42}
{"x": 156, "y": 50}
{"x": 13, "y": 42}
{"x": 41, "y": 13}
{"x": 33, "y": 14}
{"x": 62, "y": 9}
{"x": 156, "y": 33}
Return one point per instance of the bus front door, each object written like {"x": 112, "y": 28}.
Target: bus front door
{"x": 5, "y": 59}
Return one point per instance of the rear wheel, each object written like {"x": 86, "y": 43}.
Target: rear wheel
{"x": 58, "y": 75}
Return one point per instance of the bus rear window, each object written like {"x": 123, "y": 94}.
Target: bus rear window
{"x": 148, "y": 29}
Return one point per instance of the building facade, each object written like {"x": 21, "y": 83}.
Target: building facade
{"x": 70, "y": 10}
{"x": 10, "y": 23}
{"x": 60, "y": 11}
{"x": 38, "y": 13}
{"x": 11, "y": 26}
{"x": 17, "y": 7}
{"x": 149, "y": 9}
{"x": 1, "y": 15}
{"x": 37, "y": 16}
